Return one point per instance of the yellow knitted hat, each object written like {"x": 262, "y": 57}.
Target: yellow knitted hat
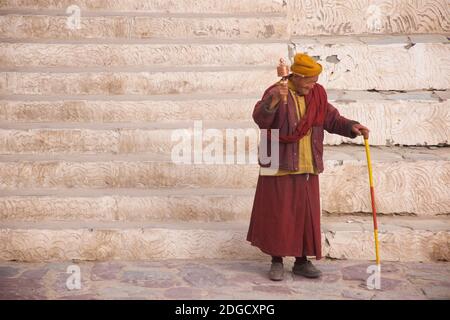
{"x": 305, "y": 66}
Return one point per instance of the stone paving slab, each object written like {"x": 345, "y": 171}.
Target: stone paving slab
{"x": 220, "y": 279}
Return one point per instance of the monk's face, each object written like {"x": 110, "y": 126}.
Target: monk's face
{"x": 303, "y": 85}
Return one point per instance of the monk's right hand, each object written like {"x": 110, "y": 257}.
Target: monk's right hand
{"x": 277, "y": 94}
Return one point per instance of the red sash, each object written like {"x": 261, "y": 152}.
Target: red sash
{"x": 316, "y": 102}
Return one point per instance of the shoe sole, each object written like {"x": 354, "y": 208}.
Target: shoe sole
{"x": 307, "y": 275}
{"x": 276, "y": 279}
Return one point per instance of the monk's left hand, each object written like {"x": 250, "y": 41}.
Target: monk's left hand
{"x": 359, "y": 129}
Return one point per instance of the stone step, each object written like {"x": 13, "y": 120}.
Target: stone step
{"x": 407, "y": 180}
{"x": 344, "y": 17}
{"x": 161, "y": 138}
{"x": 387, "y": 114}
{"x": 230, "y": 81}
{"x": 402, "y": 239}
{"x": 117, "y": 26}
{"x": 411, "y": 118}
{"x": 174, "y": 205}
{"x": 113, "y": 109}
{"x": 389, "y": 67}
{"x": 336, "y": 16}
{"x": 159, "y": 6}
{"x": 149, "y": 205}
{"x": 39, "y": 56}
{"x": 88, "y": 141}
{"x": 367, "y": 63}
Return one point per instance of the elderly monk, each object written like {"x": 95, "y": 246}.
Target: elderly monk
{"x": 285, "y": 219}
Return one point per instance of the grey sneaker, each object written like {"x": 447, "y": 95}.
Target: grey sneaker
{"x": 276, "y": 272}
{"x": 306, "y": 269}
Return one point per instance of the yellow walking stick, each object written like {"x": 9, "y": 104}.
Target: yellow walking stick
{"x": 372, "y": 195}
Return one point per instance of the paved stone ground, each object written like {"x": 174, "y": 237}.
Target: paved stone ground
{"x": 219, "y": 279}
